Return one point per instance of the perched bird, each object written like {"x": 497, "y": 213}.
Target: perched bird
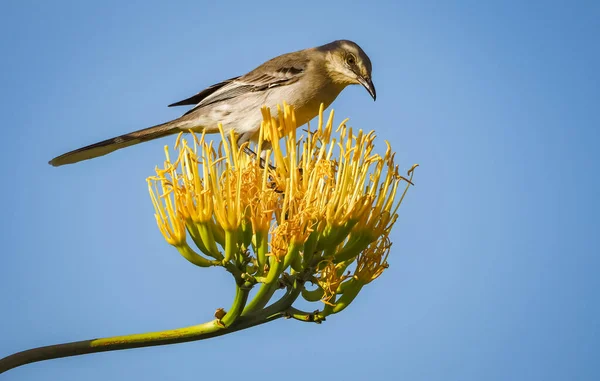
{"x": 303, "y": 79}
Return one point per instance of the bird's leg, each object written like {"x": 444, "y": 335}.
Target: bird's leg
{"x": 251, "y": 153}
{"x": 262, "y": 163}
{"x": 246, "y": 137}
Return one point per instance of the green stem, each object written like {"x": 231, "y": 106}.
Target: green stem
{"x": 203, "y": 331}
{"x": 313, "y": 295}
{"x": 218, "y": 232}
{"x": 241, "y": 297}
{"x": 173, "y": 336}
{"x": 352, "y": 249}
{"x": 195, "y": 234}
{"x": 246, "y": 232}
{"x": 188, "y": 253}
{"x": 286, "y": 301}
{"x": 335, "y": 235}
{"x": 209, "y": 239}
{"x": 275, "y": 269}
{"x": 351, "y": 290}
{"x": 292, "y": 255}
{"x": 266, "y": 291}
{"x": 237, "y": 273}
{"x": 230, "y": 245}
{"x": 262, "y": 248}
{"x": 262, "y": 297}
{"x": 309, "y": 317}
{"x": 309, "y": 249}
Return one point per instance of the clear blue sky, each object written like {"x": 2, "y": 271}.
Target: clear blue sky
{"x": 494, "y": 272}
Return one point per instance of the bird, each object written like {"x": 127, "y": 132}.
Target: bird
{"x": 304, "y": 79}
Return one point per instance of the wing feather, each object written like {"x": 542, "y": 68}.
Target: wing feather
{"x": 195, "y": 99}
{"x": 280, "y": 71}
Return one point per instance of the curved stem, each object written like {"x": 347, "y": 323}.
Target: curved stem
{"x": 313, "y": 295}
{"x": 218, "y": 232}
{"x": 286, "y": 301}
{"x": 351, "y": 290}
{"x": 307, "y": 317}
{"x": 204, "y": 239}
{"x": 203, "y": 331}
{"x": 292, "y": 254}
{"x": 188, "y": 253}
{"x": 241, "y": 297}
{"x": 268, "y": 288}
{"x": 173, "y": 336}
{"x": 262, "y": 297}
{"x": 195, "y": 235}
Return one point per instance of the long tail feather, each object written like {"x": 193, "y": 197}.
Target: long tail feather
{"x": 107, "y": 146}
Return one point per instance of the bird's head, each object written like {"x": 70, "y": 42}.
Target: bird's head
{"x": 348, "y": 64}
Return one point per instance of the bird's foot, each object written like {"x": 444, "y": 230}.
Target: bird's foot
{"x": 251, "y": 153}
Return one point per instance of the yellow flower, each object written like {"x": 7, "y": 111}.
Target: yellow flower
{"x": 315, "y": 205}
{"x": 164, "y": 200}
{"x": 330, "y": 278}
{"x": 373, "y": 260}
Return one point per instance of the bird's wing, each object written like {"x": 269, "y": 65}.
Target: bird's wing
{"x": 194, "y": 100}
{"x": 280, "y": 71}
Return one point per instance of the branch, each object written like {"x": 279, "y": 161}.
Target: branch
{"x": 307, "y": 317}
{"x": 180, "y": 335}
{"x": 203, "y": 331}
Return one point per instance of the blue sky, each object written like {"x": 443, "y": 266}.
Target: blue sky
{"x": 494, "y": 269}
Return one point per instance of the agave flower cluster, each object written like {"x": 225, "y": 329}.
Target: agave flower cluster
{"x": 315, "y": 210}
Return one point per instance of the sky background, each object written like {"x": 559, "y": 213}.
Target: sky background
{"x": 494, "y": 269}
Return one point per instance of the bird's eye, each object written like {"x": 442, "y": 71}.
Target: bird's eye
{"x": 350, "y": 59}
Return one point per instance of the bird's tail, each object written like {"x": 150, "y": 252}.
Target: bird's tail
{"x": 107, "y": 146}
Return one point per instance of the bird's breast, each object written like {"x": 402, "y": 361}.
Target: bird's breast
{"x": 305, "y": 97}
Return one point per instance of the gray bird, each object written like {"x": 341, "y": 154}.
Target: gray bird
{"x": 303, "y": 79}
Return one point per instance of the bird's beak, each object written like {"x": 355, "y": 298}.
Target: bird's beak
{"x": 368, "y": 84}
